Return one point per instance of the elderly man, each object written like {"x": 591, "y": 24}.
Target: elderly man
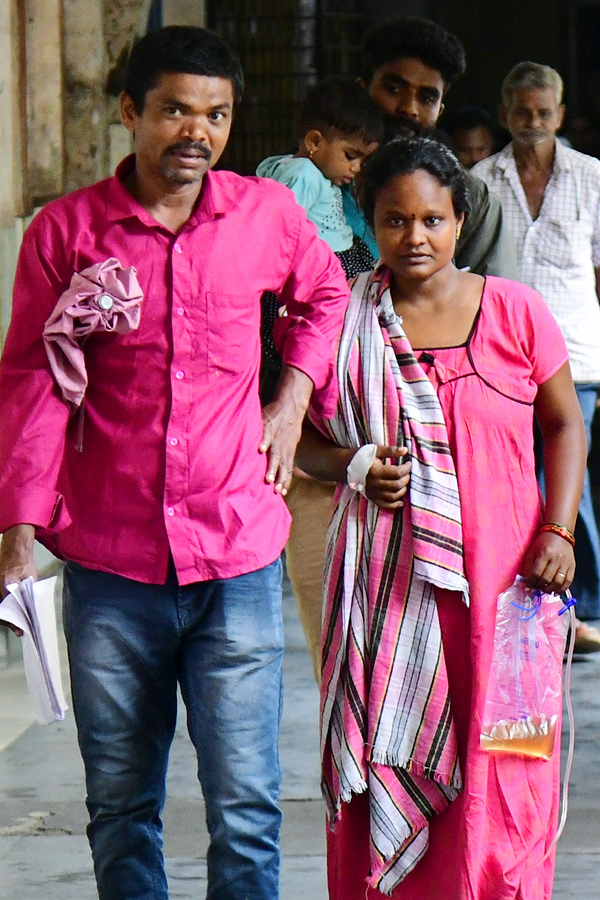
{"x": 551, "y": 199}
{"x": 165, "y": 497}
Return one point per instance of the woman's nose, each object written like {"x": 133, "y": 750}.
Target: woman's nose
{"x": 414, "y": 233}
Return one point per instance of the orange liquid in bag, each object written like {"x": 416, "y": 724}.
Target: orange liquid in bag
{"x": 531, "y": 736}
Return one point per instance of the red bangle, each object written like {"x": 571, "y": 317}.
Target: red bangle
{"x": 560, "y": 530}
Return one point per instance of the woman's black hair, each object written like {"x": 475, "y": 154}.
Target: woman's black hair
{"x": 406, "y": 36}
{"x": 340, "y": 106}
{"x": 408, "y": 155}
{"x": 179, "y": 48}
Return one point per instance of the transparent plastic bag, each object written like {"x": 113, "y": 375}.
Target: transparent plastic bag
{"x": 524, "y": 694}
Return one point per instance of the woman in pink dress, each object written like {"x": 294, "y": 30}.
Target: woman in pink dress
{"x": 447, "y": 368}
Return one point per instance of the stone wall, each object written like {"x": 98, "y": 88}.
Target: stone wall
{"x": 59, "y": 126}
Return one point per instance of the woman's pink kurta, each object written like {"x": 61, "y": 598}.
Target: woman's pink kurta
{"x": 489, "y": 842}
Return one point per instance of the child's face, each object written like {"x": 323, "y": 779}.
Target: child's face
{"x": 340, "y": 158}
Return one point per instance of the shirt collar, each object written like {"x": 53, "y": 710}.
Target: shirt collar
{"x": 218, "y": 196}
{"x": 505, "y": 160}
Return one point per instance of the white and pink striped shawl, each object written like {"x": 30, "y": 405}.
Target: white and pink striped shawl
{"x": 386, "y": 723}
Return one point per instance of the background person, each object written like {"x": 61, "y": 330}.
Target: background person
{"x": 171, "y": 518}
{"x": 473, "y": 133}
{"x": 551, "y": 200}
{"x": 338, "y": 126}
{"x": 456, "y": 367}
{"x": 409, "y": 65}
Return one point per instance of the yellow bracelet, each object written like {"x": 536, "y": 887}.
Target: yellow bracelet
{"x": 560, "y": 530}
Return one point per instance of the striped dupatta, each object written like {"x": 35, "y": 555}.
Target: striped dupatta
{"x": 386, "y": 723}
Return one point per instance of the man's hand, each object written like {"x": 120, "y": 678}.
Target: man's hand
{"x": 16, "y": 561}
{"x": 282, "y": 426}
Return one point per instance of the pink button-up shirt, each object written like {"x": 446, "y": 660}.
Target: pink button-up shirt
{"x": 170, "y": 460}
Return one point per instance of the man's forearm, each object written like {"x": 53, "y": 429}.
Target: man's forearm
{"x": 282, "y": 425}
{"x": 294, "y": 389}
{"x": 16, "y": 555}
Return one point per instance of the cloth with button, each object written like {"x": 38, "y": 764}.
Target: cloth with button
{"x": 102, "y": 297}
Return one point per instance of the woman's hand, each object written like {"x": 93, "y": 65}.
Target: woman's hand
{"x": 550, "y": 564}
{"x": 386, "y": 483}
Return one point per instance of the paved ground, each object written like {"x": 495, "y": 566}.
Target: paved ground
{"x": 43, "y": 849}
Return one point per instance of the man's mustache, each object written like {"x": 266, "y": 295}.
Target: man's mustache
{"x": 534, "y": 132}
{"x": 196, "y": 146}
{"x": 401, "y": 127}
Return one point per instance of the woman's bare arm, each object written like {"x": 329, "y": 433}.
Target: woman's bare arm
{"x": 565, "y": 455}
{"x": 386, "y": 483}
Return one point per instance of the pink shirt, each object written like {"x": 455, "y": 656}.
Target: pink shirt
{"x": 170, "y": 460}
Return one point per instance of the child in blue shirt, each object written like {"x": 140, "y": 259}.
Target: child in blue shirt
{"x": 339, "y": 125}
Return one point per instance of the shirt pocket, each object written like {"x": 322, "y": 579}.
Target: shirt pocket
{"x": 566, "y": 243}
{"x": 233, "y": 332}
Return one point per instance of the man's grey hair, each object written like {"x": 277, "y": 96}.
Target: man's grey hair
{"x": 530, "y": 75}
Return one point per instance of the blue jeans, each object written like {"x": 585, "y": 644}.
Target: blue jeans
{"x": 586, "y": 585}
{"x": 130, "y": 644}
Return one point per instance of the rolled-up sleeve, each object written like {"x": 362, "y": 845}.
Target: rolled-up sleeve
{"x": 34, "y": 417}
{"x": 316, "y": 295}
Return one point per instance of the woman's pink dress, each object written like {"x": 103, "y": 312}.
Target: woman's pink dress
{"x": 489, "y": 842}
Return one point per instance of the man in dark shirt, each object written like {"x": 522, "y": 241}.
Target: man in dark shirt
{"x": 408, "y": 67}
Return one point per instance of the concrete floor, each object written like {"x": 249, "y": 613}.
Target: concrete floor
{"x": 44, "y": 852}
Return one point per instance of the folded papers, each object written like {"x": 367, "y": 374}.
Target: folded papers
{"x": 29, "y": 606}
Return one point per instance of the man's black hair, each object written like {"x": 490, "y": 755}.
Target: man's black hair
{"x": 409, "y": 37}
{"x": 467, "y": 117}
{"x": 340, "y": 106}
{"x": 179, "y": 48}
{"x": 405, "y": 156}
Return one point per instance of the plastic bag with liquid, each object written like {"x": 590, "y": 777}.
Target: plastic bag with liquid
{"x": 524, "y": 694}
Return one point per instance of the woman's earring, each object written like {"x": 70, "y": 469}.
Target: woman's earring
{"x": 310, "y": 153}
{"x": 458, "y": 233}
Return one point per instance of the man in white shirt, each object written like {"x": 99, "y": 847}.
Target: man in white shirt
{"x": 550, "y": 196}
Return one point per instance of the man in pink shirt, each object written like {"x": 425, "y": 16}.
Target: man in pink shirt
{"x": 164, "y": 492}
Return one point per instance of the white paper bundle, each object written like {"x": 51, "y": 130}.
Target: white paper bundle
{"x": 29, "y": 606}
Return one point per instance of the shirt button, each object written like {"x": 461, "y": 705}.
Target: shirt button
{"x": 173, "y": 441}
{"x": 177, "y": 248}
{"x": 170, "y": 511}
{"x": 179, "y": 375}
{"x": 180, "y": 310}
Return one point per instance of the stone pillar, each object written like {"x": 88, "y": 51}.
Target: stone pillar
{"x": 86, "y": 127}
{"x": 11, "y": 150}
{"x": 44, "y": 99}
{"x": 12, "y": 132}
{"x": 124, "y": 21}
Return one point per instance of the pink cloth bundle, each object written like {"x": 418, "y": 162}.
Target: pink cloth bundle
{"x": 103, "y": 297}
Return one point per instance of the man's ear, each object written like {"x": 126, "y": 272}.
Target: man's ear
{"x": 502, "y": 115}
{"x": 128, "y": 112}
{"x": 362, "y": 83}
{"x": 561, "y": 111}
{"x": 442, "y": 108}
